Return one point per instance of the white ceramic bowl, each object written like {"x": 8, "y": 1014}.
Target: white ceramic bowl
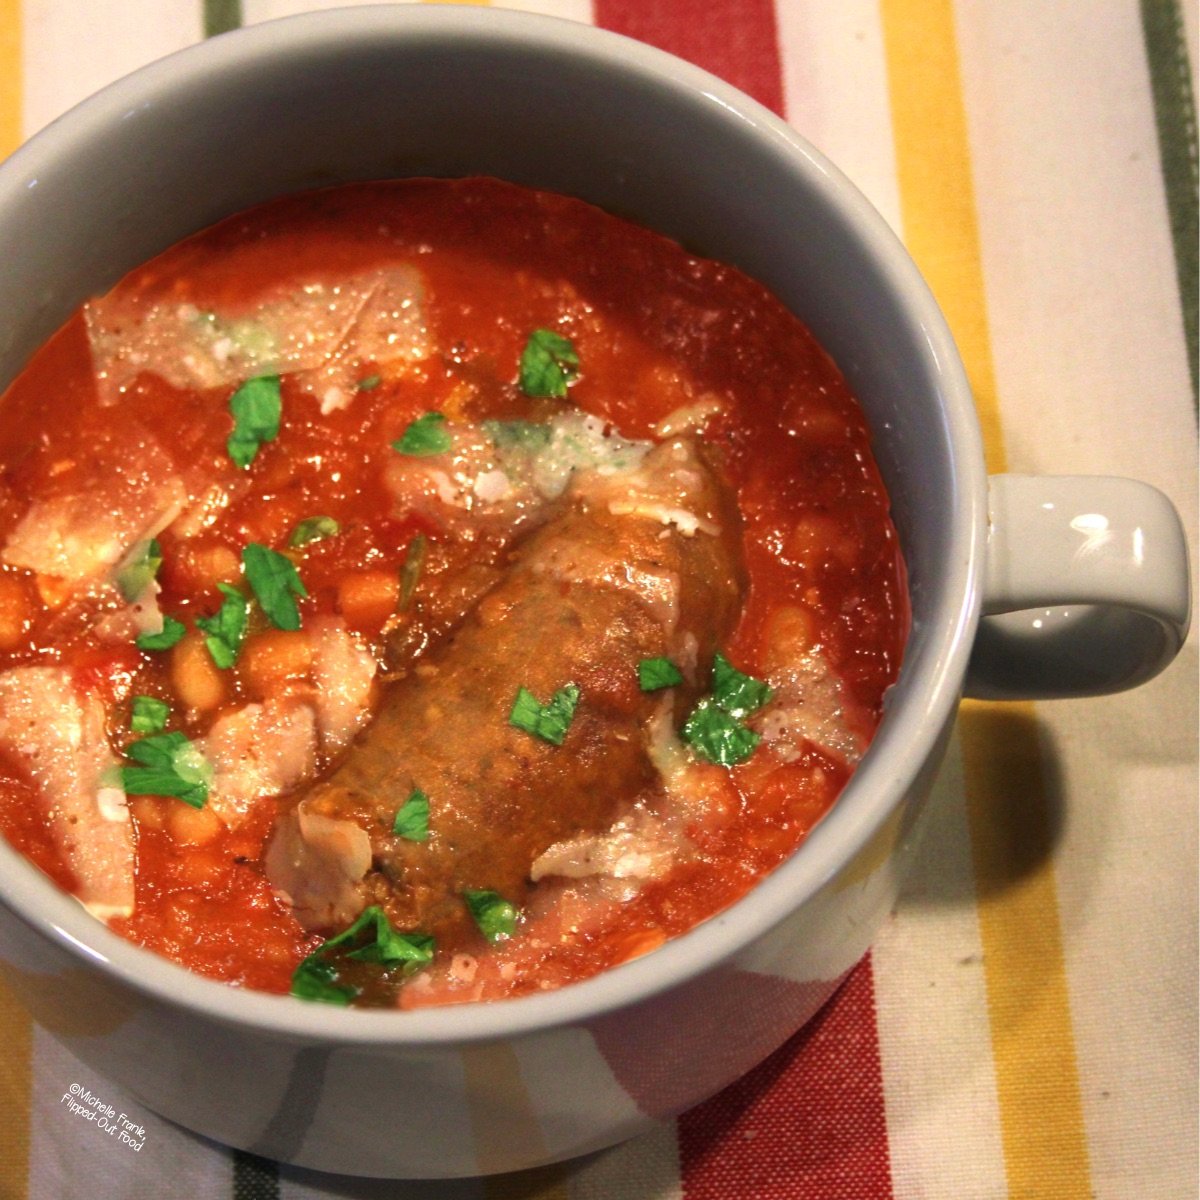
{"x": 380, "y": 92}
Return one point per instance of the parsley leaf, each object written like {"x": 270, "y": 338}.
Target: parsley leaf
{"x": 656, "y": 673}
{"x": 414, "y": 560}
{"x": 256, "y": 408}
{"x": 170, "y": 766}
{"x": 138, "y": 570}
{"x": 149, "y": 714}
{"x": 316, "y": 979}
{"x": 719, "y": 736}
{"x": 384, "y": 945}
{"x": 424, "y": 437}
{"x": 275, "y": 582}
{"x": 313, "y": 529}
{"x": 370, "y": 383}
{"x": 370, "y": 939}
{"x": 715, "y": 729}
{"x": 172, "y": 631}
{"x": 495, "y": 916}
{"x": 549, "y": 721}
{"x": 738, "y": 694}
{"x": 226, "y": 628}
{"x": 412, "y": 817}
{"x": 548, "y": 365}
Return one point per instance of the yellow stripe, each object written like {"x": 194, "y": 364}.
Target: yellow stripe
{"x": 10, "y": 76}
{"x": 502, "y": 1116}
{"x": 1013, "y": 825}
{"x": 937, "y": 199}
{"x": 1010, "y": 813}
{"x": 16, "y": 1089}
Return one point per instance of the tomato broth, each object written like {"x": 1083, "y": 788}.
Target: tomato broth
{"x": 290, "y": 480}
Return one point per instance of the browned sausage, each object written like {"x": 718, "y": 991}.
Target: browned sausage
{"x": 634, "y": 566}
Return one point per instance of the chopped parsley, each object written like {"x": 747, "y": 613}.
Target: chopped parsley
{"x": 375, "y": 941}
{"x": 414, "y": 560}
{"x": 716, "y": 728}
{"x": 316, "y": 979}
{"x": 172, "y": 631}
{"x": 276, "y": 583}
{"x": 226, "y": 628}
{"x": 412, "y": 818}
{"x": 549, "y": 365}
{"x": 549, "y": 721}
{"x": 656, "y": 673}
{"x": 424, "y": 437}
{"x": 719, "y": 736}
{"x": 369, "y": 939}
{"x": 138, "y": 570}
{"x": 495, "y": 917}
{"x": 148, "y": 714}
{"x": 169, "y": 765}
{"x": 313, "y": 529}
{"x": 256, "y": 408}
{"x": 370, "y": 383}
{"x": 737, "y": 693}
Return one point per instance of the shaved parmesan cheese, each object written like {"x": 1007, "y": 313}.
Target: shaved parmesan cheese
{"x": 806, "y": 706}
{"x": 668, "y": 495}
{"x": 77, "y": 535}
{"x": 256, "y": 751}
{"x": 56, "y": 732}
{"x": 689, "y": 418}
{"x": 638, "y": 847}
{"x": 316, "y": 863}
{"x": 344, "y": 675}
{"x": 326, "y": 333}
{"x": 491, "y": 485}
{"x": 687, "y": 522}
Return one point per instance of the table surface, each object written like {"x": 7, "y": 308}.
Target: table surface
{"x": 1026, "y": 1024}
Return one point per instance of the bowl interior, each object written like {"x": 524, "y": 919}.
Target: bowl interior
{"x": 378, "y": 93}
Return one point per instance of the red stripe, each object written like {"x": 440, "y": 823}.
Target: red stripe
{"x": 808, "y": 1124}
{"x": 735, "y": 39}
{"x": 646, "y": 1054}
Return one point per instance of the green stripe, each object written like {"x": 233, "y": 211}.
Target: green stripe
{"x": 254, "y": 1178}
{"x": 1175, "y": 116}
{"x": 220, "y": 16}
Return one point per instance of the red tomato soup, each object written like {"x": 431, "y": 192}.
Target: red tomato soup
{"x": 432, "y": 591}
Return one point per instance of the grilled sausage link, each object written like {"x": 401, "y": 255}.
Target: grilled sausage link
{"x": 636, "y": 565}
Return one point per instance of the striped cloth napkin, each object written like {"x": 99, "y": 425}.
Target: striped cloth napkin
{"x": 1026, "y": 1025}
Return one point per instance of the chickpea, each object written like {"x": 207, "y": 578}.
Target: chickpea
{"x": 190, "y": 826}
{"x": 197, "y": 680}
{"x": 269, "y": 659}
{"x": 790, "y": 634}
{"x": 147, "y": 811}
{"x": 367, "y": 598}
{"x": 204, "y": 564}
{"x": 818, "y": 539}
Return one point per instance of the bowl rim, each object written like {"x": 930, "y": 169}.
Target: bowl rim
{"x": 906, "y": 737}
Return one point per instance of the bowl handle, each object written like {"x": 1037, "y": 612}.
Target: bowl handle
{"x": 1087, "y": 588}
